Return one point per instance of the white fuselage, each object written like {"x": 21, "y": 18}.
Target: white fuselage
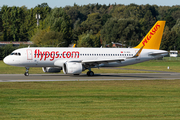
{"x": 46, "y": 57}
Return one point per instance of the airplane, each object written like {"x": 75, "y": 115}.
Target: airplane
{"x": 75, "y": 60}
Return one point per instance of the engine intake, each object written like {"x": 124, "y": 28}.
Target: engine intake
{"x": 72, "y": 68}
{"x": 51, "y": 69}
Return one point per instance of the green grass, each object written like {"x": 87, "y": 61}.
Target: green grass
{"x": 82, "y": 100}
{"x": 90, "y": 100}
{"x": 160, "y": 65}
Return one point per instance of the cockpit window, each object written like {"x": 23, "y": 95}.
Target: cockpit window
{"x": 15, "y": 53}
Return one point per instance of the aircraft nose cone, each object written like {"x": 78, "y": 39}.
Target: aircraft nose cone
{"x": 5, "y": 60}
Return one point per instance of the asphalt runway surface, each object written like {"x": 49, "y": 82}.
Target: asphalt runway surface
{"x": 84, "y": 77}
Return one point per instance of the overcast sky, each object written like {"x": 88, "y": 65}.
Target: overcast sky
{"x": 63, "y": 3}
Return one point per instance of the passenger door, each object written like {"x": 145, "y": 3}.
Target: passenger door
{"x": 29, "y": 54}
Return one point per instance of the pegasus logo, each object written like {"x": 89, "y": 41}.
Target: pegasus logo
{"x": 149, "y": 36}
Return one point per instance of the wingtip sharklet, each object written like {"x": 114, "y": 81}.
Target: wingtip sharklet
{"x": 139, "y": 52}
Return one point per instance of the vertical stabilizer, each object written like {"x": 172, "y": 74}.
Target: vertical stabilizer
{"x": 153, "y": 39}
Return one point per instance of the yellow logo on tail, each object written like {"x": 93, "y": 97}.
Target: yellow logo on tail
{"x": 153, "y": 39}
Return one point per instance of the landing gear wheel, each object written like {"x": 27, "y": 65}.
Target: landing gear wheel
{"x": 26, "y": 74}
{"x": 90, "y": 73}
{"x": 27, "y": 71}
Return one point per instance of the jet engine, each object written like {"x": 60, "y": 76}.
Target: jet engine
{"x": 72, "y": 68}
{"x": 51, "y": 69}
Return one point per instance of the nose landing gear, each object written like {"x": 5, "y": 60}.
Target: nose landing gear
{"x": 27, "y": 71}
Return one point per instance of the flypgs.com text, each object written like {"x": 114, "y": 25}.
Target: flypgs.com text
{"x": 43, "y": 55}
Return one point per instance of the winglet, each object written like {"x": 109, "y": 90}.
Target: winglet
{"x": 153, "y": 39}
{"x": 139, "y": 52}
{"x": 74, "y": 45}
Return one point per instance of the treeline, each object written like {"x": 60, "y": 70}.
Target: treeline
{"x": 91, "y": 25}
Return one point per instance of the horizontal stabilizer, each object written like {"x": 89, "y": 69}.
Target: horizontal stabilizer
{"x": 158, "y": 53}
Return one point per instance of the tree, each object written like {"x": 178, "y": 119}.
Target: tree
{"x": 93, "y": 22}
{"x": 147, "y": 22}
{"x": 104, "y": 18}
{"x": 53, "y": 38}
{"x": 59, "y": 22}
{"x": 47, "y": 37}
{"x": 170, "y": 22}
{"x": 6, "y": 50}
{"x": 88, "y": 39}
{"x": 176, "y": 27}
{"x": 121, "y": 30}
{"x": 169, "y": 40}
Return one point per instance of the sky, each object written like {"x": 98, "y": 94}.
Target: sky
{"x": 63, "y": 3}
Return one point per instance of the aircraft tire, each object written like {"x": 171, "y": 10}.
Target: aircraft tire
{"x": 26, "y": 74}
{"x": 90, "y": 73}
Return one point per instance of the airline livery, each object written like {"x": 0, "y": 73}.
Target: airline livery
{"x": 75, "y": 60}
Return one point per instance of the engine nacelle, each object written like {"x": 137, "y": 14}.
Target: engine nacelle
{"x": 72, "y": 68}
{"x": 51, "y": 69}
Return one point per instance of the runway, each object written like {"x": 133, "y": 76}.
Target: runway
{"x": 83, "y": 77}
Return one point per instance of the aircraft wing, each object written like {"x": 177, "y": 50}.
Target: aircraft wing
{"x": 99, "y": 61}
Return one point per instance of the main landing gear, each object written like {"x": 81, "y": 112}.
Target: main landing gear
{"x": 90, "y": 73}
{"x": 27, "y": 71}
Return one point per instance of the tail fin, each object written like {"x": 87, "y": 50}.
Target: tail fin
{"x": 153, "y": 39}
